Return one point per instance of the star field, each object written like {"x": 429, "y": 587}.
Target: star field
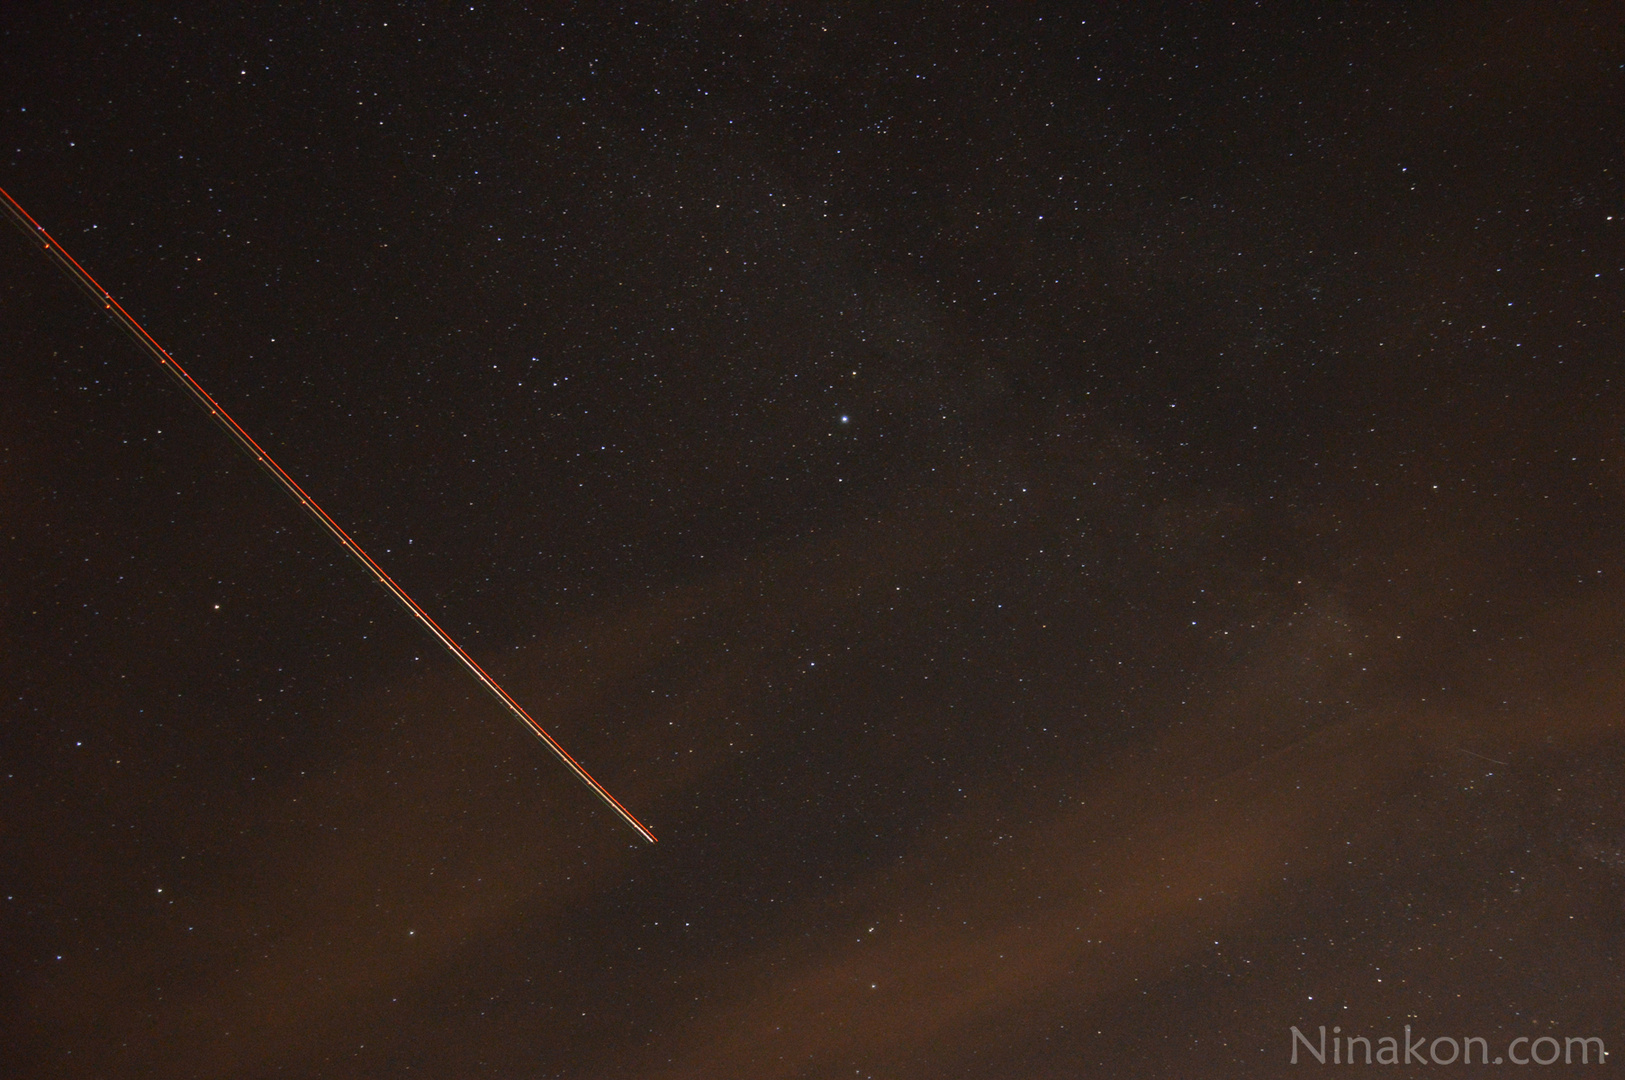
{"x": 1092, "y": 536}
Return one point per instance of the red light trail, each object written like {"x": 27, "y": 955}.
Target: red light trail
{"x": 71, "y": 267}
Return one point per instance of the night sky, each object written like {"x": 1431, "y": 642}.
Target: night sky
{"x": 1093, "y": 535}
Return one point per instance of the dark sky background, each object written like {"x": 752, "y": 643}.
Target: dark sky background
{"x": 1093, "y": 535}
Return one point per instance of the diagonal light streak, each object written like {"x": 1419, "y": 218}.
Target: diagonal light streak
{"x": 127, "y": 322}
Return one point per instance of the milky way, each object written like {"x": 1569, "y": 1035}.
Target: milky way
{"x": 1093, "y": 541}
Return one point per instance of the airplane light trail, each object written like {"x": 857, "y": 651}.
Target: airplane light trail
{"x": 71, "y": 267}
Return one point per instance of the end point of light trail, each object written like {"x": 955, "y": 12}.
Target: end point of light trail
{"x": 246, "y": 443}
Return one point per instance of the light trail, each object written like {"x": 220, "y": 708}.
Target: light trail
{"x": 127, "y": 323}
